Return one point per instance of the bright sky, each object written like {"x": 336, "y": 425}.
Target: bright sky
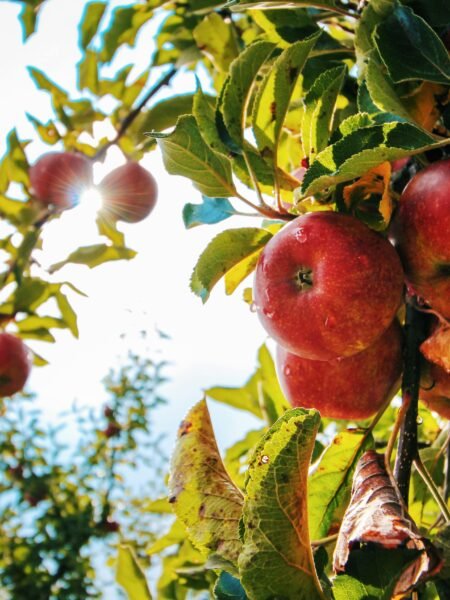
{"x": 212, "y": 344}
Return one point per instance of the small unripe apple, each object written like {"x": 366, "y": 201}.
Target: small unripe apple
{"x": 435, "y": 390}
{"x": 327, "y": 286}
{"x": 344, "y": 388}
{"x": 422, "y": 232}
{"x": 129, "y": 193}
{"x": 59, "y": 178}
{"x": 15, "y": 364}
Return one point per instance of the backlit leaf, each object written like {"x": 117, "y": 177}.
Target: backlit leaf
{"x": 276, "y": 560}
{"x": 225, "y": 251}
{"x": 186, "y": 153}
{"x": 201, "y": 491}
{"x": 240, "y": 271}
{"x": 274, "y": 94}
{"x": 362, "y": 150}
{"x": 330, "y": 482}
{"x": 216, "y": 39}
{"x": 90, "y": 22}
{"x": 319, "y": 109}
{"x": 94, "y": 255}
{"x": 130, "y": 575}
{"x": 239, "y": 85}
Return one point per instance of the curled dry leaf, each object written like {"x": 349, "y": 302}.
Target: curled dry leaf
{"x": 377, "y": 515}
{"x": 373, "y": 183}
{"x": 436, "y": 348}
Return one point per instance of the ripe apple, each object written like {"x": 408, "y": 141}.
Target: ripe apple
{"x": 435, "y": 391}
{"x": 327, "y": 286}
{"x": 422, "y": 234}
{"x": 344, "y": 388}
{"x": 59, "y": 178}
{"x": 129, "y": 193}
{"x": 15, "y": 364}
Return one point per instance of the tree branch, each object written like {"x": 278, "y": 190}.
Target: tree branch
{"x": 407, "y": 450}
{"x": 128, "y": 120}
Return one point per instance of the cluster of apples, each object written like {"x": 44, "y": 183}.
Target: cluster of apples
{"x": 57, "y": 181}
{"x": 128, "y": 192}
{"x": 327, "y": 289}
{"x": 422, "y": 238}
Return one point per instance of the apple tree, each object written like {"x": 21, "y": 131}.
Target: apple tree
{"x": 328, "y": 122}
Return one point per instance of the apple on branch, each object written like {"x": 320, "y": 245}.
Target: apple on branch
{"x": 345, "y": 388}
{"x": 422, "y": 235}
{"x": 59, "y": 178}
{"x": 129, "y": 193}
{"x": 327, "y": 286}
{"x": 15, "y": 364}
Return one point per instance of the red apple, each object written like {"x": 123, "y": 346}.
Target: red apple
{"x": 344, "y": 388}
{"x": 129, "y": 193}
{"x": 435, "y": 392}
{"x": 327, "y": 286}
{"x": 59, "y": 178}
{"x": 423, "y": 234}
{"x": 15, "y": 364}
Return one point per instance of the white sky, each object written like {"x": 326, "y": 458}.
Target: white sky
{"x": 212, "y": 344}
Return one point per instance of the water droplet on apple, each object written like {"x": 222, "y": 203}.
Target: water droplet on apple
{"x": 269, "y": 314}
{"x": 419, "y": 420}
{"x": 330, "y": 321}
{"x": 287, "y": 371}
{"x": 264, "y": 459}
{"x": 254, "y": 307}
{"x": 301, "y": 235}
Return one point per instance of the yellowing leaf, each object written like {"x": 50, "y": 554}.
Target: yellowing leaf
{"x": 201, "y": 491}
{"x": 423, "y": 105}
{"x": 375, "y": 182}
{"x": 130, "y": 575}
{"x": 239, "y": 272}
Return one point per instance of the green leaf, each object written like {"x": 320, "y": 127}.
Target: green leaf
{"x": 67, "y": 313}
{"x": 201, "y": 491}
{"x": 261, "y": 395}
{"x": 30, "y": 294}
{"x": 205, "y": 115}
{"x": 185, "y": 153}
{"x": 237, "y": 274}
{"x": 382, "y": 91}
{"x": 125, "y": 24}
{"x": 330, "y": 484}
{"x": 88, "y": 72}
{"x": 40, "y": 333}
{"x": 17, "y": 212}
{"x": 212, "y": 210}
{"x": 35, "y": 322}
{"x": 374, "y": 13}
{"x": 235, "y": 98}
{"x": 228, "y": 587}
{"x": 90, "y": 22}
{"x": 175, "y": 535}
{"x": 216, "y": 39}
{"x": 319, "y": 109}
{"x": 277, "y": 4}
{"x": 372, "y": 573}
{"x": 226, "y": 250}
{"x": 130, "y": 575}
{"x": 165, "y": 113}
{"x": 44, "y": 83}
{"x": 274, "y": 94}
{"x": 95, "y": 255}
{"x": 28, "y": 18}
{"x": 108, "y": 228}
{"x": 237, "y": 456}
{"x": 14, "y": 166}
{"x": 410, "y": 48}
{"x": 276, "y": 559}
{"x": 48, "y": 132}
{"x": 362, "y": 150}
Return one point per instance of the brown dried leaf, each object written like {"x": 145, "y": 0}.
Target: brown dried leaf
{"x": 436, "y": 348}
{"x": 377, "y": 515}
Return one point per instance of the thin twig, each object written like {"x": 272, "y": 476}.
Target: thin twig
{"x": 423, "y": 472}
{"x": 128, "y": 120}
{"x": 407, "y": 446}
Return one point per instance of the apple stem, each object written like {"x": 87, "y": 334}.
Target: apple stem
{"x": 407, "y": 452}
